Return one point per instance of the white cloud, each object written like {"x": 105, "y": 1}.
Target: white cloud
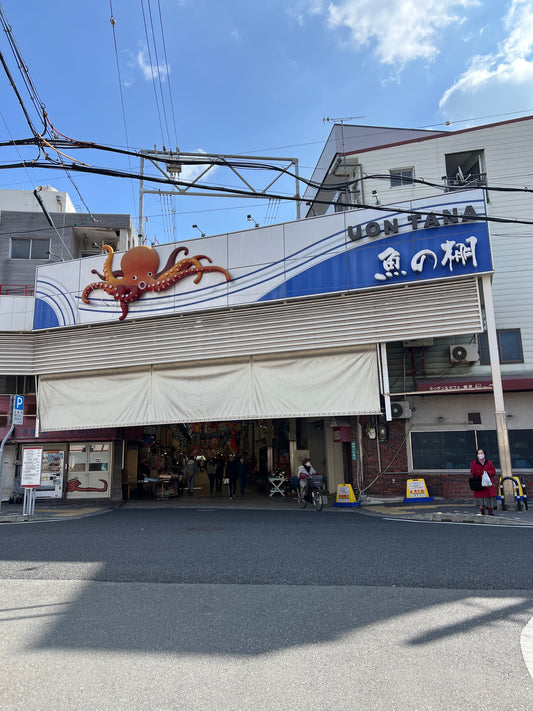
{"x": 151, "y": 71}
{"x": 301, "y": 9}
{"x": 398, "y": 31}
{"x": 502, "y": 80}
{"x": 192, "y": 172}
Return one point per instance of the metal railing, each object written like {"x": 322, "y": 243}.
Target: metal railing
{"x": 18, "y": 289}
{"x": 471, "y": 180}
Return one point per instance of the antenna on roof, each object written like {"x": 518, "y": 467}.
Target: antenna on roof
{"x": 341, "y": 119}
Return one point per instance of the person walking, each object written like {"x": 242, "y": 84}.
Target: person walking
{"x": 243, "y": 471}
{"x": 487, "y": 494}
{"x": 190, "y": 471}
{"x": 232, "y": 473}
{"x": 220, "y": 473}
{"x": 211, "y": 468}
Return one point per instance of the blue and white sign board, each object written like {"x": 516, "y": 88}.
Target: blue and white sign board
{"x": 428, "y": 239}
{"x": 17, "y": 409}
{"x": 30, "y": 476}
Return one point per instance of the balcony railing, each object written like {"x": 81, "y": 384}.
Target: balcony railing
{"x": 347, "y": 201}
{"x": 471, "y": 180}
{"x": 18, "y": 289}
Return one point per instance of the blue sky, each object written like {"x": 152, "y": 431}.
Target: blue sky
{"x": 243, "y": 77}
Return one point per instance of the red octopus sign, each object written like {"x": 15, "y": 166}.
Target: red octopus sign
{"x": 74, "y": 485}
{"x": 139, "y": 273}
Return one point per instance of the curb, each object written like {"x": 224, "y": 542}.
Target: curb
{"x": 60, "y": 516}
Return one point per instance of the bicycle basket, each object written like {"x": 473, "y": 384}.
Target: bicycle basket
{"x": 316, "y": 481}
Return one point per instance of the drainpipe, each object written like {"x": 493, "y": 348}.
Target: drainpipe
{"x": 8, "y": 435}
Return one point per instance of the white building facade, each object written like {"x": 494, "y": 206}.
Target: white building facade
{"x": 355, "y": 335}
{"x": 444, "y": 384}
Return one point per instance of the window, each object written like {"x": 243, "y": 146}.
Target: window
{"x": 465, "y": 170}
{"x": 455, "y": 450}
{"x": 509, "y": 346}
{"x": 29, "y": 248}
{"x": 401, "y": 176}
{"x": 442, "y": 450}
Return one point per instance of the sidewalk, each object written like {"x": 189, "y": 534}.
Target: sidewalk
{"x": 447, "y": 511}
{"x": 443, "y": 510}
{"x": 47, "y": 510}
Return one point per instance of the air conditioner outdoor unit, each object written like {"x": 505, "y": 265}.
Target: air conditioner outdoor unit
{"x": 400, "y": 410}
{"x": 464, "y": 353}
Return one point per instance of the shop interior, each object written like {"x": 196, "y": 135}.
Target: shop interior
{"x": 153, "y": 467}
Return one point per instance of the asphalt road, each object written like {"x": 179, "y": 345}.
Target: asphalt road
{"x": 213, "y": 609}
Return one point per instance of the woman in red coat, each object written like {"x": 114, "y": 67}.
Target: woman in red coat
{"x": 487, "y": 494}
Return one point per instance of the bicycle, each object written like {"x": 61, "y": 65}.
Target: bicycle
{"x": 311, "y": 492}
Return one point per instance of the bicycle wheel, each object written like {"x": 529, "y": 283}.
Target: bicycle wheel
{"x": 317, "y": 499}
{"x": 301, "y": 497}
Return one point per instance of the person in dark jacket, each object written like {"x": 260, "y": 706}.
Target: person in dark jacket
{"x": 488, "y": 494}
{"x": 232, "y": 473}
{"x": 220, "y": 473}
{"x": 211, "y": 468}
{"x": 190, "y": 472}
{"x": 243, "y": 473}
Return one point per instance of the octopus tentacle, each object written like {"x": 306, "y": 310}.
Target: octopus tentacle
{"x": 221, "y": 270}
{"x": 171, "y": 260}
{"x": 96, "y": 285}
{"x": 185, "y": 265}
{"x": 173, "y": 278}
{"x": 108, "y": 272}
{"x": 123, "y": 294}
{"x": 115, "y": 272}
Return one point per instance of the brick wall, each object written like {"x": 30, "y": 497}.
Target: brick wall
{"x": 393, "y": 455}
{"x": 446, "y": 486}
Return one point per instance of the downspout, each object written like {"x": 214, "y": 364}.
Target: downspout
{"x": 8, "y": 435}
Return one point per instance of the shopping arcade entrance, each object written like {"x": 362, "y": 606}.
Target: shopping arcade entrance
{"x": 318, "y": 386}
{"x": 265, "y": 445}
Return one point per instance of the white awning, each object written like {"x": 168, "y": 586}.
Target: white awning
{"x": 300, "y": 385}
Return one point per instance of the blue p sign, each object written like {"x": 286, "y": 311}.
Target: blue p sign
{"x": 17, "y": 414}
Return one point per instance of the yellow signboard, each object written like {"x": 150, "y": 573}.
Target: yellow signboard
{"x": 345, "y": 496}
{"x": 416, "y": 491}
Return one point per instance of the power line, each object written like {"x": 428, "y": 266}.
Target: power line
{"x": 168, "y": 75}
{"x": 158, "y": 72}
{"x": 273, "y": 196}
{"x": 152, "y": 72}
{"x": 113, "y": 23}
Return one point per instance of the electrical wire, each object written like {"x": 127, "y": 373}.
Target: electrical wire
{"x": 256, "y": 166}
{"x": 32, "y": 91}
{"x": 158, "y": 72}
{"x": 37, "y": 102}
{"x": 153, "y": 73}
{"x": 221, "y": 190}
{"x": 121, "y": 93}
{"x": 168, "y": 82}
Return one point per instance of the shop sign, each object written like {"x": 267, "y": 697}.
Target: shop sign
{"x": 31, "y": 467}
{"x": 432, "y": 238}
{"x": 390, "y": 227}
{"x": 341, "y": 434}
{"x": 416, "y": 491}
{"x": 17, "y": 409}
{"x": 455, "y": 387}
